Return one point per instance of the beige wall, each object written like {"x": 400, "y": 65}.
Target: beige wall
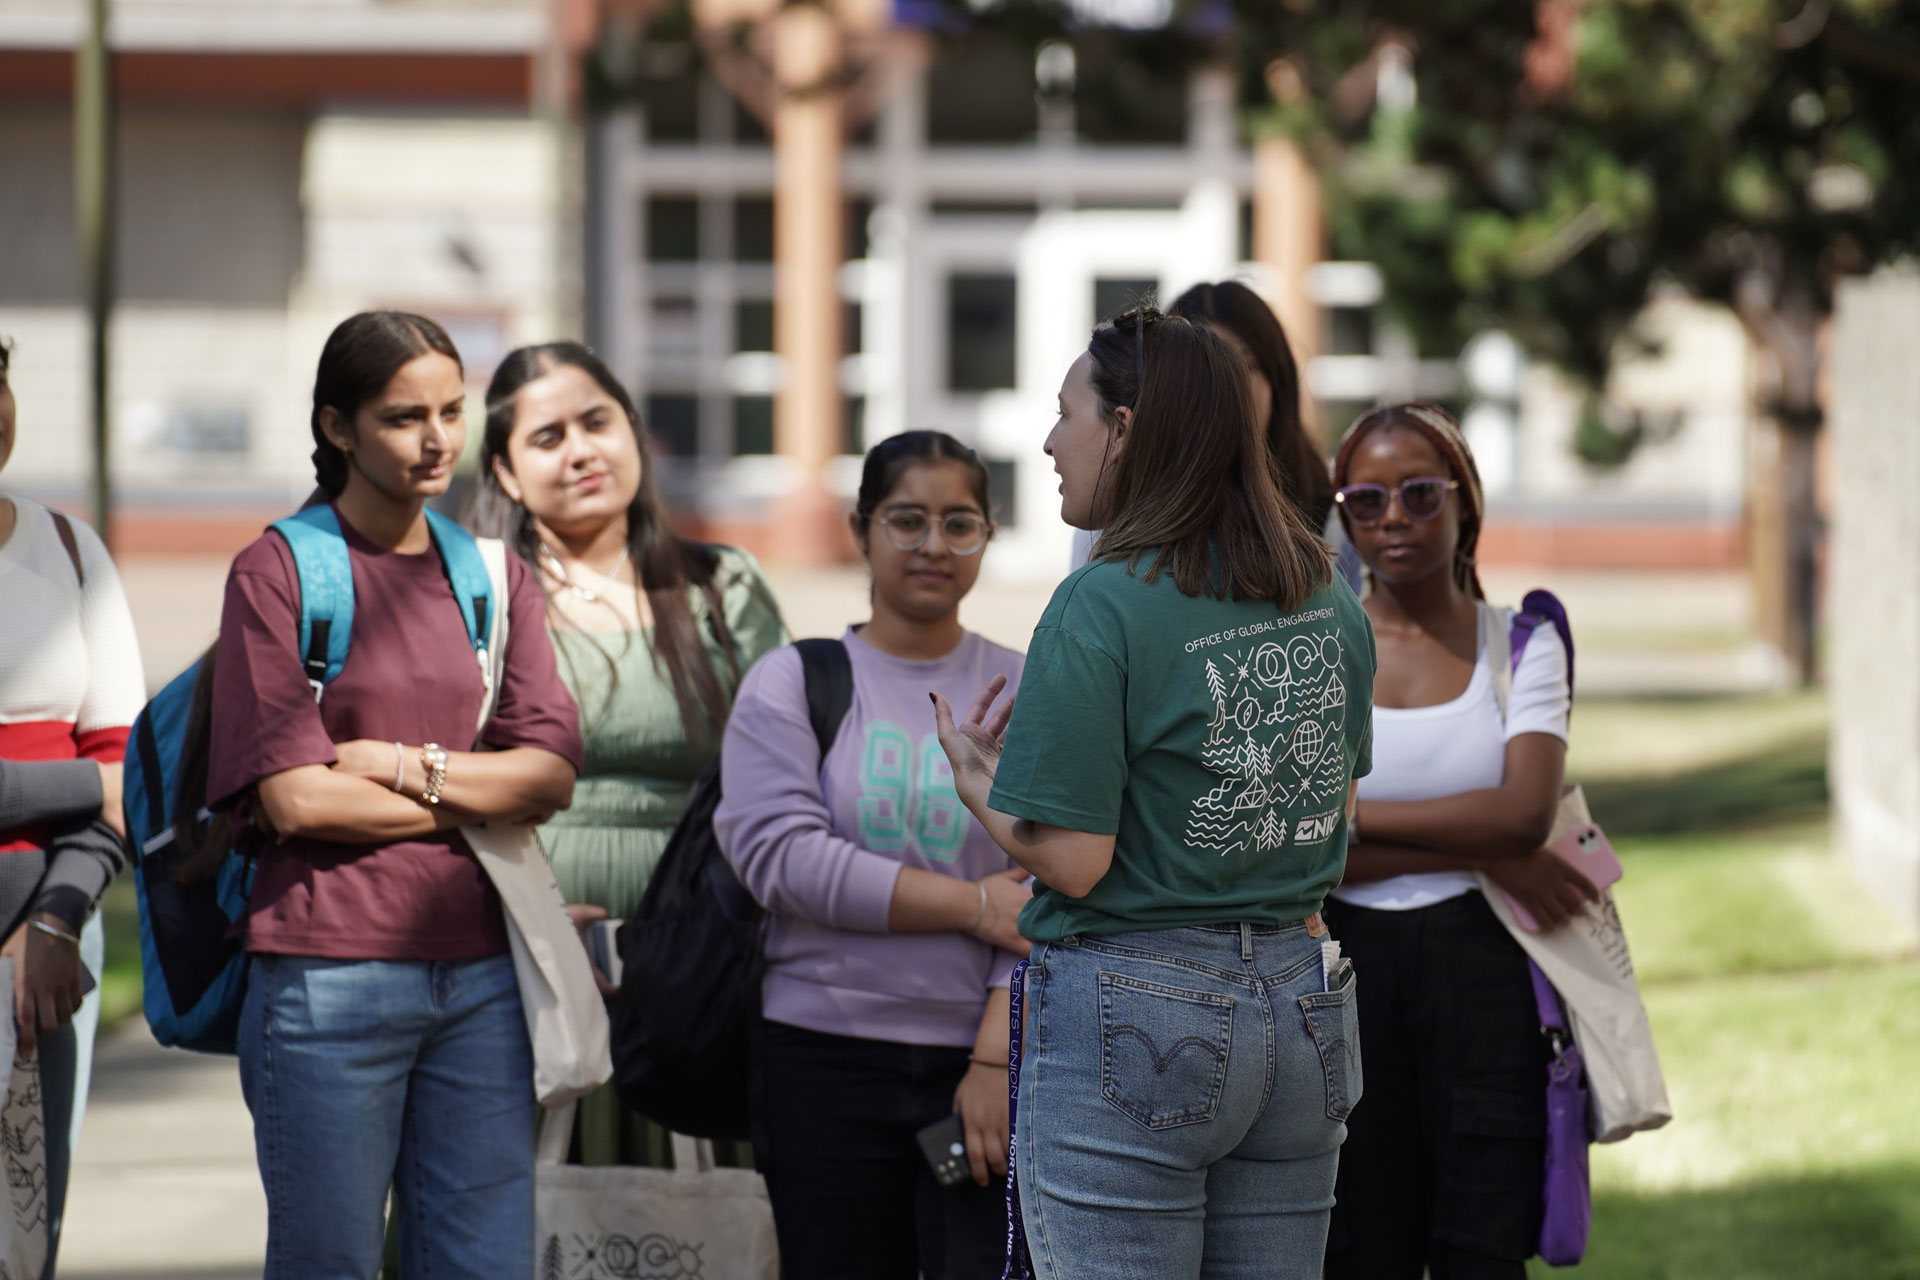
{"x": 1874, "y": 585}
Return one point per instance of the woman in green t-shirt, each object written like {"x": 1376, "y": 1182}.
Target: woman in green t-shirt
{"x": 1192, "y": 715}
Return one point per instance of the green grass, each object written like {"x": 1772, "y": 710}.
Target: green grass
{"x": 120, "y": 983}
{"x": 1784, "y": 1000}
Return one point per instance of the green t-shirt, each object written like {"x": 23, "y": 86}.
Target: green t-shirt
{"x": 1214, "y": 738}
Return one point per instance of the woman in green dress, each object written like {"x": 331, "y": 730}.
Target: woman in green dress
{"x": 653, "y": 632}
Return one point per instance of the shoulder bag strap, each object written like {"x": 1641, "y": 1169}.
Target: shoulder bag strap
{"x": 493, "y": 553}
{"x": 1501, "y": 659}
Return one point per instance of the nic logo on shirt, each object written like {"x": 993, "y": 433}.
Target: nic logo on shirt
{"x": 907, "y": 798}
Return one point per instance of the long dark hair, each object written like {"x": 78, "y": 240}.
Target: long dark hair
{"x": 362, "y": 354}
{"x": 896, "y": 455}
{"x": 1193, "y": 483}
{"x": 1300, "y": 465}
{"x": 666, "y": 563}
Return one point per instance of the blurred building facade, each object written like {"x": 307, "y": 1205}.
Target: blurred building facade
{"x": 285, "y": 162}
{"x": 281, "y": 164}
{"x": 996, "y": 203}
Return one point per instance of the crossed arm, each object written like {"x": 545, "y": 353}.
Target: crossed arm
{"x": 354, "y": 801}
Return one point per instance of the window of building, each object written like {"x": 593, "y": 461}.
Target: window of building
{"x": 753, "y": 229}
{"x": 856, "y": 417}
{"x": 753, "y": 324}
{"x": 674, "y": 423}
{"x": 980, "y": 89}
{"x": 747, "y": 129}
{"x": 1113, "y": 295}
{"x": 673, "y": 229}
{"x": 752, "y": 424}
{"x": 858, "y": 211}
{"x": 1349, "y": 331}
{"x": 984, "y": 209}
{"x": 981, "y": 331}
{"x": 1003, "y": 491}
{"x": 851, "y": 334}
{"x": 1129, "y": 90}
{"x": 673, "y": 328}
{"x": 669, "y": 90}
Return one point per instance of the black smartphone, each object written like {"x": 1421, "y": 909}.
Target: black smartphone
{"x": 944, "y": 1143}
{"x": 603, "y": 945}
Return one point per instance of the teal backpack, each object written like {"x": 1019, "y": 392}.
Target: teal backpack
{"x": 195, "y": 969}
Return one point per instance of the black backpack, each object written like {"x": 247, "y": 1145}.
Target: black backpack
{"x": 686, "y": 1023}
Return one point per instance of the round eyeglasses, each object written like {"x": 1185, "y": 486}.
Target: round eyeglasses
{"x": 963, "y": 532}
{"x": 1421, "y": 498}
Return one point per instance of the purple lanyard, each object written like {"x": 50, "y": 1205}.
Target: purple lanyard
{"x": 1019, "y": 1264}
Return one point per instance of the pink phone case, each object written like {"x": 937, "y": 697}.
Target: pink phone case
{"x": 1588, "y": 850}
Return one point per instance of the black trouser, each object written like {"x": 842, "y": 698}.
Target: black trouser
{"x": 853, "y": 1198}
{"x": 1445, "y": 1154}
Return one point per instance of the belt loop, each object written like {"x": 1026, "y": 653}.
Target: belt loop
{"x": 1246, "y": 942}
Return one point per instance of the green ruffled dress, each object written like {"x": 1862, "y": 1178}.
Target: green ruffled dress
{"x": 640, "y": 766}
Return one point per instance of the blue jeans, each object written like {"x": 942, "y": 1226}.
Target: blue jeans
{"x": 365, "y": 1074}
{"x": 1183, "y": 1098}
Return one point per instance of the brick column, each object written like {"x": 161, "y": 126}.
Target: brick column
{"x": 808, "y": 244}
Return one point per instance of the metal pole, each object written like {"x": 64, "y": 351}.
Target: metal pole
{"x": 93, "y": 113}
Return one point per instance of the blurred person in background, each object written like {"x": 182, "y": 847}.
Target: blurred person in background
{"x": 892, "y": 912}
{"x": 382, "y": 1042}
{"x": 653, "y": 633}
{"x": 70, "y": 686}
{"x": 1176, "y": 775}
{"x": 1252, "y": 331}
{"x": 1444, "y": 1165}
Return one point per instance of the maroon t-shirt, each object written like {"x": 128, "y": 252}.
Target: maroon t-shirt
{"x": 410, "y": 676}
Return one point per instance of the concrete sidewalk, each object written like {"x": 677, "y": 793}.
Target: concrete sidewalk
{"x": 164, "y": 1185}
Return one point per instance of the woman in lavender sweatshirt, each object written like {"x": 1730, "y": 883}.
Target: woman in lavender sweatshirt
{"x": 892, "y": 912}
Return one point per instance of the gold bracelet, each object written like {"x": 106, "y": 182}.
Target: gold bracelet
{"x": 433, "y": 759}
{"x": 56, "y": 931}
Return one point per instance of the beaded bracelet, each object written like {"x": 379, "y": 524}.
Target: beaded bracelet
{"x": 433, "y": 759}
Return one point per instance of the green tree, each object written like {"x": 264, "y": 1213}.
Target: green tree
{"x": 1550, "y": 163}
{"x": 1561, "y": 160}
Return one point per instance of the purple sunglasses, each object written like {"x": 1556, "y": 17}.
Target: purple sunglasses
{"x": 1422, "y": 498}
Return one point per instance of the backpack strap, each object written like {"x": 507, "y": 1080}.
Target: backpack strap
{"x": 64, "y": 527}
{"x": 829, "y": 676}
{"x": 467, "y": 571}
{"x": 1542, "y": 607}
{"x": 1507, "y": 644}
{"x": 326, "y": 590}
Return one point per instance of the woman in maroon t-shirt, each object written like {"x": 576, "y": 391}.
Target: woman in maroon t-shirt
{"x": 382, "y": 1042}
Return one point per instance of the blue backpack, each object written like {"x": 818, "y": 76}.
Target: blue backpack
{"x": 195, "y": 970}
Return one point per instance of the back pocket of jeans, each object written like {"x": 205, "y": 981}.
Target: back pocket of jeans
{"x": 1163, "y": 1051}
{"x": 1333, "y": 1020}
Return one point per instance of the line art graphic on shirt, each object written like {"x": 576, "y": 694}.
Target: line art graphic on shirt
{"x": 1278, "y": 711}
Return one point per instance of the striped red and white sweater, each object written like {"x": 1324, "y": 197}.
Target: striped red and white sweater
{"x": 70, "y": 687}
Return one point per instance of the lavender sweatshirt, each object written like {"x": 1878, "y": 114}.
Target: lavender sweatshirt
{"x": 820, "y": 844}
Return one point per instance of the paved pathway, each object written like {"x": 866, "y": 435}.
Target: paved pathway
{"x": 164, "y": 1185}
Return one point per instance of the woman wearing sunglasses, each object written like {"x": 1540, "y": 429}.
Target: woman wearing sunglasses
{"x": 1442, "y": 1170}
{"x": 892, "y": 912}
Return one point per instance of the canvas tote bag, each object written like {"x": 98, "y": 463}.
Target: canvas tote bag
{"x": 1588, "y": 963}
{"x": 23, "y": 1131}
{"x": 617, "y": 1222}
{"x": 566, "y": 1016}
